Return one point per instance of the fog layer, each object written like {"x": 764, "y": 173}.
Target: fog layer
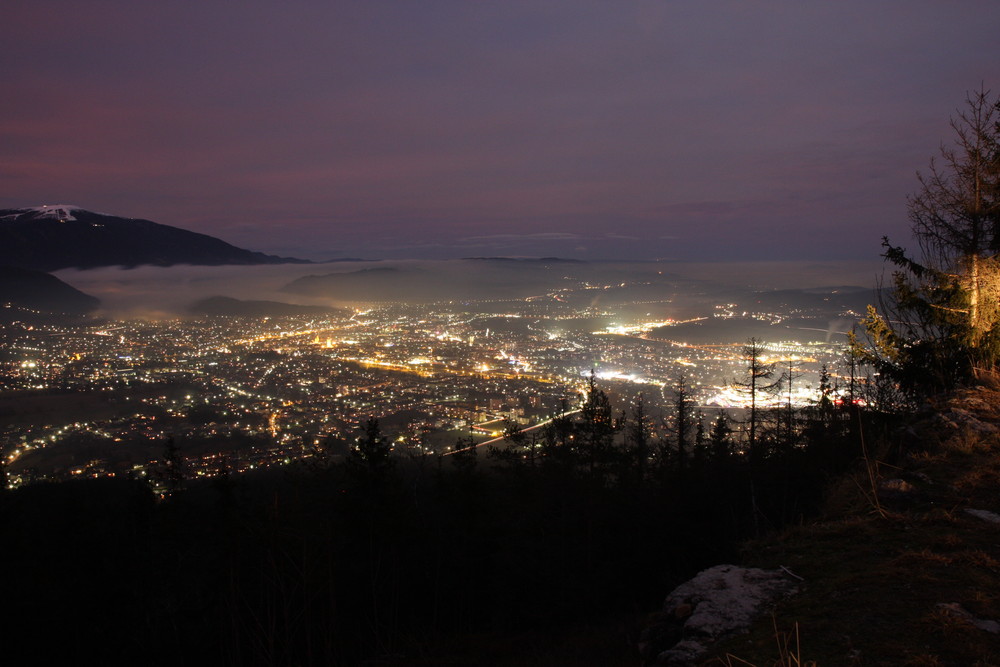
{"x": 156, "y": 292}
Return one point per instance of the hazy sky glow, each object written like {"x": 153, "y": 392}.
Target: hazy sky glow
{"x": 587, "y": 129}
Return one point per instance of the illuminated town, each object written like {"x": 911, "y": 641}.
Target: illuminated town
{"x": 100, "y": 398}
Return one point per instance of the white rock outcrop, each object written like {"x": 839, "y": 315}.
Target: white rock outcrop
{"x": 717, "y": 603}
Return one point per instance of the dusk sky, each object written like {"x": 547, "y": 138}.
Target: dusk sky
{"x": 430, "y": 129}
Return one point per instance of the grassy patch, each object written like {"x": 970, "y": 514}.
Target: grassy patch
{"x": 874, "y": 584}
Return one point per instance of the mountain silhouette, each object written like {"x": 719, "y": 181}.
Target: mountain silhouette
{"x": 49, "y": 238}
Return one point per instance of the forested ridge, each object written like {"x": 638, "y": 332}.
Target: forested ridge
{"x": 433, "y": 560}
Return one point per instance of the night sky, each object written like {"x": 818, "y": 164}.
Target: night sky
{"x": 430, "y": 129}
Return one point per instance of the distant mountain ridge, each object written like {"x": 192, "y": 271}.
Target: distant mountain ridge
{"x": 49, "y": 238}
{"x": 549, "y": 260}
{"x": 227, "y": 306}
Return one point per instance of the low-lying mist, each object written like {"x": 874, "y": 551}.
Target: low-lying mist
{"x": 165, "y": 292}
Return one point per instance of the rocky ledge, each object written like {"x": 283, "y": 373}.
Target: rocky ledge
{"x": 717, "y": 603}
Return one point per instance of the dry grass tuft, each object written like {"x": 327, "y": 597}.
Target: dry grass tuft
{"x": 947, "y": 624}
{"x": 922, "y": 660}
{"x": 788, "y": 646}
{"x": 922, "y": 557}
{"x": 966, "y": 442}
{"x": 979, "y": 558}
{"x": 978, "y": 477}
{"x": 948, "y": 542}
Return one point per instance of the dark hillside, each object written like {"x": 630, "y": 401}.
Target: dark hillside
{"x": 907, "y": 573}
{"x": 35, "y": 290}
{"x": 565, "y": 546}
{"x": 52, "y": 238}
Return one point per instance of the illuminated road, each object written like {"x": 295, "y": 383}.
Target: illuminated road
{"x": 501, "y": 438}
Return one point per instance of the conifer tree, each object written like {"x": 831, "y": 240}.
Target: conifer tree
{"x": 521, "y": 446}
{"x": 757, "y": 383}
{"x": 556, "y": 435}
{"x": 788, "y": 414}
{"x": 173, "y": 470}
{"x": 821, "y": 413}
{"x": 638, "y": 437}
{"x": 719, "y": 438}
{"x": 3, "y": 471}
{"x": 369, "y": 461}
{"x": 941, "y": 325}
{"x": 700, "y": 437}
{"x": 956, "y": 212}
{"x": 464, "y": 457}
{"x": 597, "y": 427}
{"x": 825, "y": 404}
{"x": 683, "y": 421}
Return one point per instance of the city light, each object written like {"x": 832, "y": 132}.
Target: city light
{"x": 261, "y": 392}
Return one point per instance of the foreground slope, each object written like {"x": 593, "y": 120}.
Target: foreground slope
{"x": 906, "y": 568}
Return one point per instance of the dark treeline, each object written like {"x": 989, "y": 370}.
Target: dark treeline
{"x": 591, "y": 518}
